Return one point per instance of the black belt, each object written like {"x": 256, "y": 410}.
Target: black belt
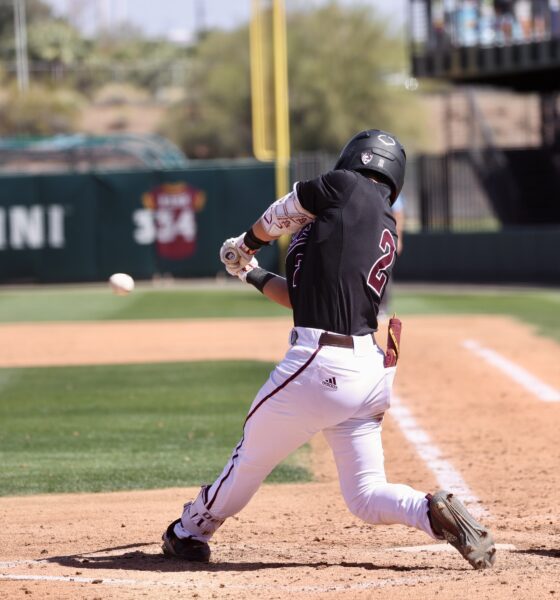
{"x": 340, "y": 341}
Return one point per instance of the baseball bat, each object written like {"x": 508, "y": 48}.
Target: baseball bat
{"x": 230, "y": 256}
{"x": 393, "y": 342}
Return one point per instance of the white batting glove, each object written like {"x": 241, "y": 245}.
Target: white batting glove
{"x": 242, "y": 272}
{"x": 235, "y": 252}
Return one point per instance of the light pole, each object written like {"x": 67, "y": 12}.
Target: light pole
{"x": 264, "y": 102}
{"x": 20, "y": 27}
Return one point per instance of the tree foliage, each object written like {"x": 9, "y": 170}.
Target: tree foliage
{"x": 343, "y": 64}
{"x": 41, "y": 111}
{"x": 57, "y": 51}
{"x": 126, "y": 55}
{"x": 35, "y": 10}
{"x": 215, "y": 119}
{"x": 55, "y": 42}
{"x": 346, "y": 71}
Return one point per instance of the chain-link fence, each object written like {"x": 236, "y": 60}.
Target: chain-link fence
{"x": 441, "y": 192}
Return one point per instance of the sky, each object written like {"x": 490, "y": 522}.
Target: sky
{"x": 179, "y": 19}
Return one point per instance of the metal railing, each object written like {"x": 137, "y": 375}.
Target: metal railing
{"x": 84, "y": 153}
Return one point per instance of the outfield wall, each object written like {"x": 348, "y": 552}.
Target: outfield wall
{"x": 83, "y": 227}
{"x": 522, "y": 255}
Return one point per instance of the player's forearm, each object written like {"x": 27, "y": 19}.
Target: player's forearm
{"x": 271, "y": 285}
{"x": 261, "y": 233}
{"x": 285, "y": 216}
{"x": 276, "y": 289}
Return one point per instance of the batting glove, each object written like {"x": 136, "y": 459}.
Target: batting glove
{"x": 242, "y": 272}
{"x": 234, "y": 251}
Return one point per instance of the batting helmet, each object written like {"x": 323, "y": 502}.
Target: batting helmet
{"x": 377, "y": 152}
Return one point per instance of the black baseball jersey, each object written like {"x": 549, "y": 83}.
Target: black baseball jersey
{"x": 338, "y": 266}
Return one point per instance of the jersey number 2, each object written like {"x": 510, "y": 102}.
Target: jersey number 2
{"x": 377, "y": 279}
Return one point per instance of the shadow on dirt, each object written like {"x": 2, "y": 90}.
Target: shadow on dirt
{"x": 139, "y": 560}
{"x": 548, "y": 553}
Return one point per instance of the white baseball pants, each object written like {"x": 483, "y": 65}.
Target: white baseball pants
{"x": 340, "y": 391}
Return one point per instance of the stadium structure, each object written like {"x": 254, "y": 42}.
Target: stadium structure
{"x": 479, "y": 48}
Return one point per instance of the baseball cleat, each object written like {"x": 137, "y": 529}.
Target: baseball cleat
{"x": 452, "y": 521}
{"x": 186, "y": 549}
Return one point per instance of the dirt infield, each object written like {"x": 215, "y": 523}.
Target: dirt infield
{"x": 457, "y": 417}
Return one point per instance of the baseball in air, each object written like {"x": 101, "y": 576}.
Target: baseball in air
{"x": 121, "y": 284}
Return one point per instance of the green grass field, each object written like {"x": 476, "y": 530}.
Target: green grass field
{"x": 120, "y": 427}
{"x": 147, "y": 426}
{"x": 95, "y": 304}
{"x": 539, "y": 308}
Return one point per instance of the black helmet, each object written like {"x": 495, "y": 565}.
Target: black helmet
{"x": 377, "y": 152}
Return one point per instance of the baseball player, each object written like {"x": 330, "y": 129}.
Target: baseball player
{"x": 332, "y": 378}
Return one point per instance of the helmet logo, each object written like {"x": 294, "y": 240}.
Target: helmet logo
{"x": 386, "y": 139}
{"x": 366, "y": 157}
{"x": 381, "y": 162}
